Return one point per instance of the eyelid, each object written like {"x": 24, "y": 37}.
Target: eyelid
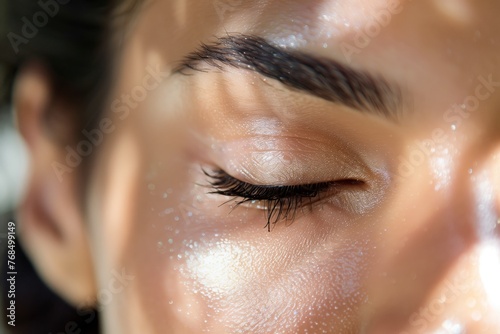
{"x": 222, "y": 181}
{"x": 277, "y": 160}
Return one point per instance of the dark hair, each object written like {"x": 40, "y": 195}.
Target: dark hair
{"x": 76, "y": 41}
{"x": 67, "y": 36}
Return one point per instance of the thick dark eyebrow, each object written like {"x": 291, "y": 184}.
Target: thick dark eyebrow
{"x": 318, "y": 76}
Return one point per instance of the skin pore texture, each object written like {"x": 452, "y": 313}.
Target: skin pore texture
{"x": 411, "y": 247}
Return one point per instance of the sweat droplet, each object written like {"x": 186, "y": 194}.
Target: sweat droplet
{"x": 453, "y": 127}
{"x": 165, "y": 212}
{"x": 160, "y": 247}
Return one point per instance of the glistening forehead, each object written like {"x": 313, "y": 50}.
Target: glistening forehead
{"x": 298, "y": 23}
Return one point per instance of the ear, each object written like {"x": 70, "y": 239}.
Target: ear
{"x": 51, "y": 224}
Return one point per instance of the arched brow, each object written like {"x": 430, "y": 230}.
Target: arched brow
{"x": 319, "y": 76}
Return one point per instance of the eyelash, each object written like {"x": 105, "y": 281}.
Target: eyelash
{"x": 281, "y": 202}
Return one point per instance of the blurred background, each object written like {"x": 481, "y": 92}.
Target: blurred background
{"x": 31, "y": 293}
{"x": 37, "y": 308}
{"x": 13, "y": 161}
{"x": 13, "y": 164}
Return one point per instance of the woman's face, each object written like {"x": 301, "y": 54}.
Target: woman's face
{"x": 317, "y": 167}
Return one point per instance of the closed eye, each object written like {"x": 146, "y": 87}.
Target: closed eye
{"x": 281, "y": 202}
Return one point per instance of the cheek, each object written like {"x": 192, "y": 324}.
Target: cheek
{"x": 212, "y": 267}
{"x": 254, "y": 290}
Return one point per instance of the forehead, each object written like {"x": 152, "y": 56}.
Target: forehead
{"x": 422, "y": 45}
{"x": 368, "y": 32}
{"x": 320, "y": 20}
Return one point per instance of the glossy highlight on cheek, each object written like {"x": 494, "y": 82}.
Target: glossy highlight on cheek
{"x": 254, "y": 282}
{"x": 219, "y": 266}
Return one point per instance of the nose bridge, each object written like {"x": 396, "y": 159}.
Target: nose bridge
{"x": 483, "y": 185}
{"x": 470, "y": 199}
{"x": 486, "y": 195}
{"x": 467, "y": 294}
{"x": 473, "y": 194}
{"x": 446, "y": 276}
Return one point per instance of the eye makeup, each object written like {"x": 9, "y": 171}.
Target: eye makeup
{"x": 280, "y": 202}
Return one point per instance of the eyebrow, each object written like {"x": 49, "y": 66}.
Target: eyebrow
{"x": 318, "y": 76}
